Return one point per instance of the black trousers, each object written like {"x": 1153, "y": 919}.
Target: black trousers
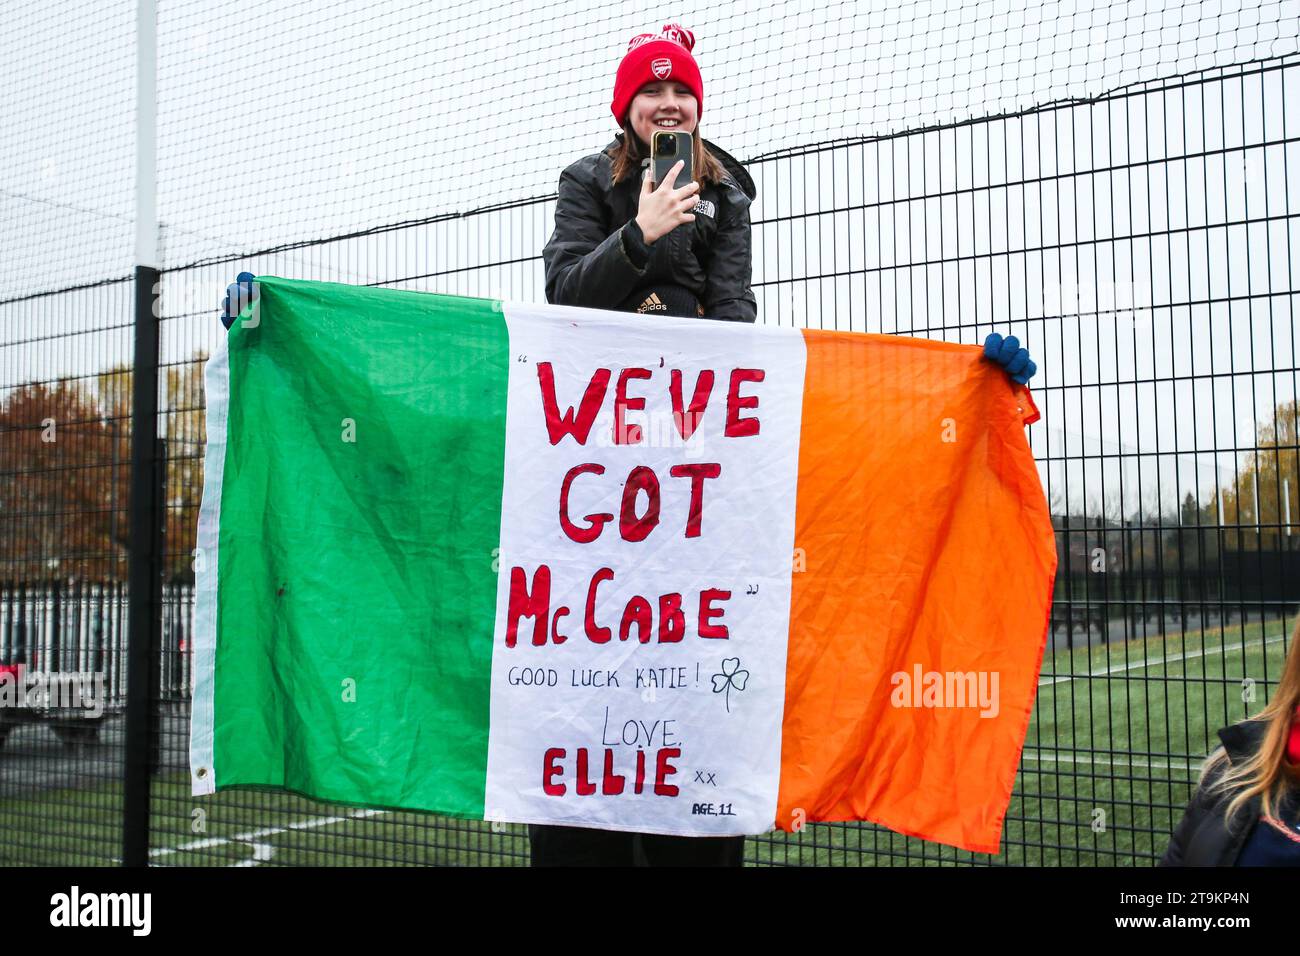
{"x": 580, "y": 846}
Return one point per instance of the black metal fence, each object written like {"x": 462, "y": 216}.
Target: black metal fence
{"x": 1144, "y": 244}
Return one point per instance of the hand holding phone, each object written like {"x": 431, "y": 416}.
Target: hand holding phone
{"x": 667, "y": 147}
{"x": 661, "y": 210}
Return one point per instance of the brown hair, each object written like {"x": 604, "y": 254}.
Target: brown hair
{"x": 1263, "y": 773}
{"x": 627, "y": 157}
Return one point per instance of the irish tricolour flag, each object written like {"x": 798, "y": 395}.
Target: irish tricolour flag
{"x": 527, "y": 563}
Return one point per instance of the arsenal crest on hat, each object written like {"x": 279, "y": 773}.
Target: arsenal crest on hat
{"x": 652, "y": 57}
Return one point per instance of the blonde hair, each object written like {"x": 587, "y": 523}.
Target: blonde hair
{"x": 1263, "y": 773}
{"x": 627, "y": 159}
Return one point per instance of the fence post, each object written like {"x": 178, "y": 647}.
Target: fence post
{"x": 144, "y": 576}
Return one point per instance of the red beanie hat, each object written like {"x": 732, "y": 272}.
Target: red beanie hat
{"x": 651, "y": 57}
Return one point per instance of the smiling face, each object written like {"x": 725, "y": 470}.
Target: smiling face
{"x": 661, "y": 100}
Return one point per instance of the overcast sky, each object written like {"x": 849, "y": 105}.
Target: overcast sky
{"x": 297, "y": 121}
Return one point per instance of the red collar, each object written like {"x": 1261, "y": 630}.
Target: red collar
{"x": 1293, "y": 741}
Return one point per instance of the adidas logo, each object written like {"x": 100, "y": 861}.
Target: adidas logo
{"x": 652, "y": 304}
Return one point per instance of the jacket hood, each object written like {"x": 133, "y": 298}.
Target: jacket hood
{"x": 729, "y": 162}
{"x": 1242, "y": 739}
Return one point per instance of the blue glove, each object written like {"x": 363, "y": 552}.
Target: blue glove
{"x": 238, "y": 294}
{"x": 1014, "y": 360}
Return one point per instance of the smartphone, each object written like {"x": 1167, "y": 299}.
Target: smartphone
{"x": 667, "y": 146}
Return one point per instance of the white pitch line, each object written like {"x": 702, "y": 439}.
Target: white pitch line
{"x": 1119, "y": 758}
{"x": 1136, "y": 665}
{"x": 262, "y": 851}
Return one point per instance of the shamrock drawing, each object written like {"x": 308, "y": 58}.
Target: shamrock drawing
{"x": 731, "y": 676}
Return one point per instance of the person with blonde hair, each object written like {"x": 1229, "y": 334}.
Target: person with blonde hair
{"x": 1246, "y": 808}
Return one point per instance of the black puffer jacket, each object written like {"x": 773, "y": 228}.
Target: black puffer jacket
{"x": 1202, "y": 837}
{"x": 598, "y": 258}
